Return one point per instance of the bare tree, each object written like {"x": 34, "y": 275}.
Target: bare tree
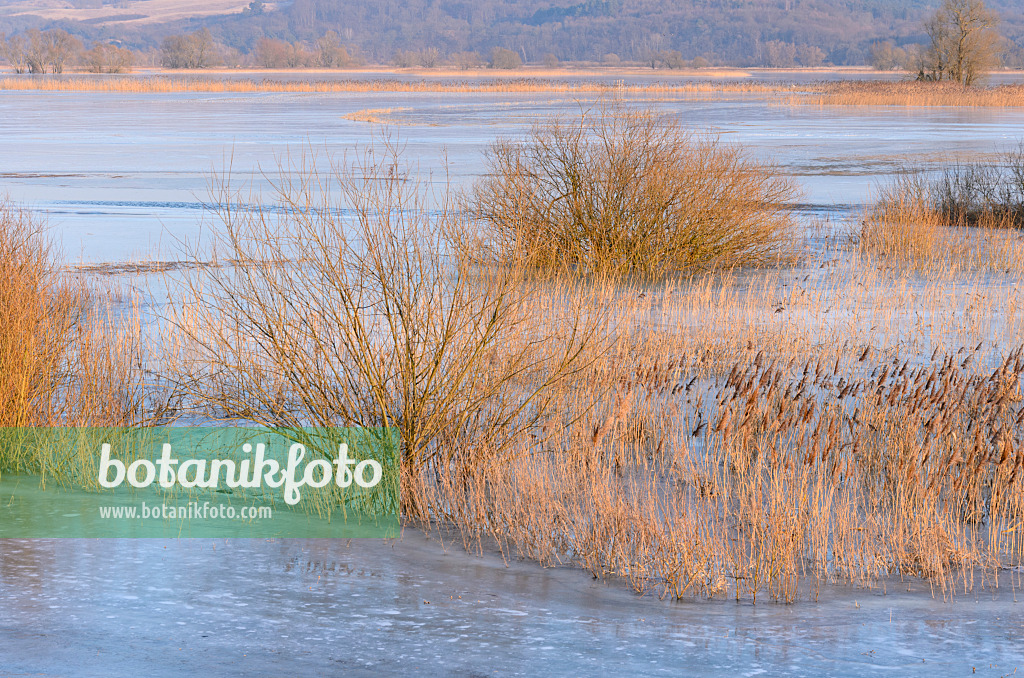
{"x": 108, "y": 59}
{"x": 887, "y": 57}
{"x": 505, "y": 58}
{"x": 964, "y": 42}
{"x": 271, "y": 53}
{"x": 35, "y": 50}
{"x": 810, "y": 56}
{"x": 48, "y": 51}
{"x": 61, "y": 48}
{"x": 330, "y": 52}
{"x": 429, "y": 57}
{"x": 778, "y": 54}
{"x": 651, "y": 48}
{"x": 465, "y": 60}
{"x": 196, "y": 50}
{"x": 14, "y": 51}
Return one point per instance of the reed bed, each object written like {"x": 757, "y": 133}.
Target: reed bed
{"x": 901, "y": 472}
{"x": 67, "y": 358}
{"x": 727, "y": 450}
{"x": 966, "y": 217}
{"x": 826, "y": 93}
{"x": 205, "y": 84}
{"x": 868, "y": 93}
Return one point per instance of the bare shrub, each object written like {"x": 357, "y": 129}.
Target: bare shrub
{"x": 619, "y": 191}
{"x": 346, "y": 304}
{"x": 983, "y": 194}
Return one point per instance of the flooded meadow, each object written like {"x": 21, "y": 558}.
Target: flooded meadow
{"x": 805, "y": 468}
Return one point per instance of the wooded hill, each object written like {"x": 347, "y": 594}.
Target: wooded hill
{"x": 733, "y": 32}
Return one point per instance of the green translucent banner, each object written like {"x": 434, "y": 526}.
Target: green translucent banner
{"x": 199, "y": 482}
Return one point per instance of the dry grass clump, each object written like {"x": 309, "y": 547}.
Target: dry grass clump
{"x": 626, "y": 192}
{"x": 377, "y": 116}
{"x": 64, "y": 360}
{"x": 874, "y": 93}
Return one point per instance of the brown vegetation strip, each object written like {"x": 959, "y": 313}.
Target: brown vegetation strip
{"x": 200, "y": 84}
{"x": 745, "y": 434}
{"x": 860, "y": 93}
{"x": 847, "y": 93}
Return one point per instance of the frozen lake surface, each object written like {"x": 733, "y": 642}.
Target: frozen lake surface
{"x": 369, "y": 607}
{"x": 124, "y": 176}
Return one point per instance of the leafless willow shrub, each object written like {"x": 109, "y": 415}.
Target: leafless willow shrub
{"x": 622, "y": 191}
{"x": 342, "y": 301}
{"x": 977, "y": 194}
{"x": 66, "y": 359}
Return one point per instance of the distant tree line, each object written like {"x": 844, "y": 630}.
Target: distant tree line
{"x": 55, "y": 50}
{"x": 40, "y": 51}
{"x": 503, "y": 34}
{"x": 776, "y": 33}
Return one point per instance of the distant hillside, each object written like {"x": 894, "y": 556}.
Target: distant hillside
{"x": 740, "y": 32}
{"x": 119, "y": 11}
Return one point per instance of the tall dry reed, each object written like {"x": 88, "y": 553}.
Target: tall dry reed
{"x": 906, "y": 93}
{"x": 458, "y": 83}
{"x": 66, "y": 358}
{"x": 963, "y": 218}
